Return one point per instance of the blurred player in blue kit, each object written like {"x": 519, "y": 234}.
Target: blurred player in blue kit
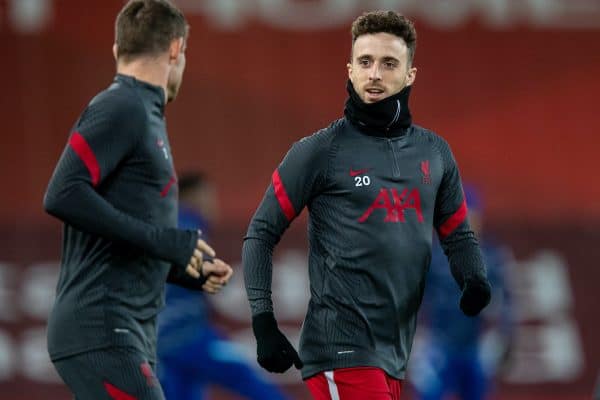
{"x": 452, "y": 357}
{"x": 192, "y": 353}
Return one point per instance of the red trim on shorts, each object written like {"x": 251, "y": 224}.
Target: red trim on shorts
{"x": 116, "y": 393}
{"x": 318, "y": 387}
{"x": 282, "y": 197}
{"x": 85, "y": 153}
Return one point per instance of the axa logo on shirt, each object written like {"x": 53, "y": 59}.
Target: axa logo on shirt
{"x": 395, "y": 204}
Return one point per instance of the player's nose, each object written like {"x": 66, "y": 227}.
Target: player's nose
{"x": 374, "y": 72}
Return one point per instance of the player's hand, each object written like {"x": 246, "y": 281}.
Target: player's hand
{"x": 476, "y": 295}
{"x": 274, "y": 352}
{"x": 196, "y": 262}
{"x": 218, "y": 274}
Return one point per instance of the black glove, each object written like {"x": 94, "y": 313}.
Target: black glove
{"x": 274, "y": 352}
{"x": 475, "y": 296}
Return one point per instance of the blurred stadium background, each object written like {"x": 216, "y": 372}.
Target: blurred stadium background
{"x": 511, "y": 84}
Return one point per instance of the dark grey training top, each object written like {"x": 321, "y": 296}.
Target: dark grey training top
{"x": 373, "y": 203}
{"x": 116, "y": 191}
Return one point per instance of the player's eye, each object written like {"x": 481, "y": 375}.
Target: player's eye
{"x": 365, "y": 62}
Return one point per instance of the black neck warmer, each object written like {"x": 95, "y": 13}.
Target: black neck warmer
{"x": 389, "y": 117}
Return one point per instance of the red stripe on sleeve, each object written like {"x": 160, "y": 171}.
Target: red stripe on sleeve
{"x": 85, "y": 153}
{"x": 116, "y": 393}
{"x": 454, "y": 221}
{"x": 282, "y": 197}
{"x": 167, "y": 187}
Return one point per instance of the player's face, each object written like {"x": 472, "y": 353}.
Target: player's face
{"x": 176, "y": 73}
{"x": 204, "y": 200}
{"x": 379, "y": 67}
{"x": 475, "y": 221}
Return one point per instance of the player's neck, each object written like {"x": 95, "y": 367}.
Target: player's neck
{"x": 149, "y": 71}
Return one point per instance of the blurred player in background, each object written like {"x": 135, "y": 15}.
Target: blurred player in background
{"x": 115, "y": 190}
{"x": 375, "y": 186}
{"x": 451, "y": 358}
{"x": 192, "y": 353}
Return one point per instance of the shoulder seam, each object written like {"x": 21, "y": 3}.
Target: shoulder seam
{"x": 331, "y": 150}
{"x": 140, "y": 102}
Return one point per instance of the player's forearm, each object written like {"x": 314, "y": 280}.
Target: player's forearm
{"x": 266, "y": 228}
{"x": 257, "y": 259}
{"x": 82, "y": 207}
{"x": 177, "y": 276}
{"x": 464, "y": 256}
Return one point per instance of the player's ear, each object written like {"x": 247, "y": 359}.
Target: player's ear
{"x": 175, "y": 49}
{"x": 349, "y": 64}
{"x": 412, "y": 75}
{"x": 115, "y": 51}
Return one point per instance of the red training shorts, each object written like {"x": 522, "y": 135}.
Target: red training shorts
{"x": 360, "y": 383}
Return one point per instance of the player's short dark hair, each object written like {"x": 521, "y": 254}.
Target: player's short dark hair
{"x": 147, "y": 27}
{"x": 189, "y": 181}
{"x": 387, "y": 22}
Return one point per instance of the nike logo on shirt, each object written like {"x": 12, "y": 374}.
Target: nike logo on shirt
{"x": 359, "y": 171}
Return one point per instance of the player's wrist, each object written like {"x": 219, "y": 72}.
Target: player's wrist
{"x": 476, "y": 295}
{"x": 476, "y": 283}
{"x": 177, "y": 245}
{"x": 205, "y": 259}
{"x": 264, "y": 324}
